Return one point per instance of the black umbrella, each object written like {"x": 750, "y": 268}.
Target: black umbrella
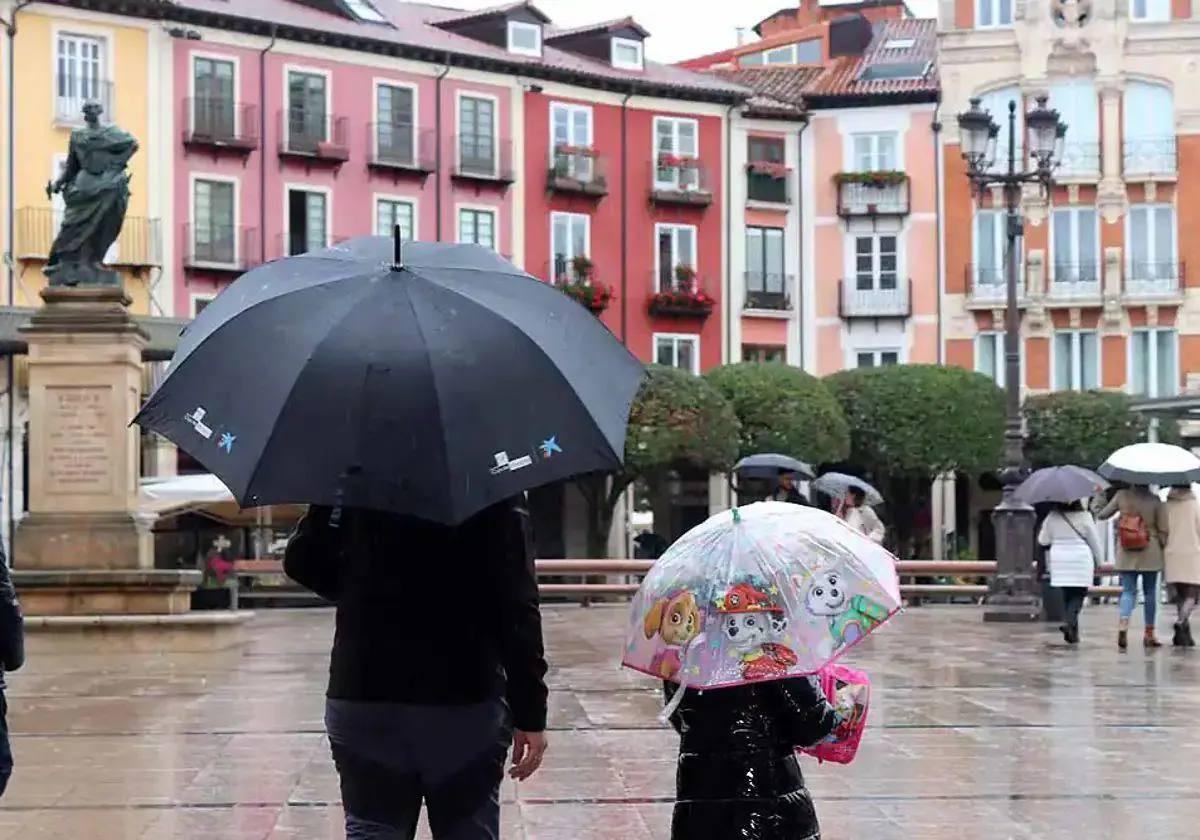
{"x": 770, "y": 464}
{"x": 432, "y": 389}
{"x": 1059, "y": 484}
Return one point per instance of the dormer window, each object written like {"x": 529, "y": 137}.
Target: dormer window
{"x": 627, "y": 54}
{"x": 363, "y": 10}
{"x": 524, "y": 38}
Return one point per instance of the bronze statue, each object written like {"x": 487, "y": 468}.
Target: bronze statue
{"x": 95, "y": 191}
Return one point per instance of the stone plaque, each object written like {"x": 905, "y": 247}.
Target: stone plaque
{"x": 78, "y": 455}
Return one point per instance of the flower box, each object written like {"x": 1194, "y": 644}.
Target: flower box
{"x": 682, "y": 303}
{"x": 594, "y": 296}
{"x": 778, "y": 171}
{"x": 878, "y": 180}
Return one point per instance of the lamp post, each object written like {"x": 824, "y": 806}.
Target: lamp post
{"x": 1012, "y": 593}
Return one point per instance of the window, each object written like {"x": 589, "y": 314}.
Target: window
{"x": 477, "y": 135}
{"x": 363, "y": 10}
{"x": 763, "y": 185}
{"x": 875, "y": 262}
{"x": 395, "y": 126}
{"x": 766, "y": 286}
{"x": 990, "y": 13}
{"x": 199, "y": 302}
{"x": 308, "y": 216}
{"x": 676, "y": 248}
{"x": 764, "y": 353}
{"x": 876, "y": 358}
{"x": 990, "y": 244}
{"x": 875, "y": 152}
{"x": 676, "y": 138}
{"x": 899, "y": 43}
{"x": 996, "y": 103}
{"x": 570, "y": 237}
{"x": 1076, "y": 234}
{"x": 524, "y": 38}
{"x": 390, "y": 212}
{"x": 213, "y": 103}
{"x": 307, "y": 111}
{"x": 571, "y": 130}
{"x": 79, "y": 76}
{"x": 678, "y": 351}
{"x": 627, "y": 54}
{"x": 780, "y": 55}
{"x": 1076, "y": 360}
{"x": 1151, "y": 251}
{"x": 213, "y": 239}
{"x": 477, "y": 227}
{"x": 754, "y": 59}
{"x": 1150, "y": 10}
{"x": 1149, "y": 129}
{"x": 989, "y": 357}
{"x": 1154, "y": 362}
{"x": 1079, "y": 107}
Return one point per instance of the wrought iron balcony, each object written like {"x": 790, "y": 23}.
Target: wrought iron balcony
{"x": 220, "y": 248}
{"x": 483, "y": 159}
{"x": 1152, "y": 157}
{"x": 679, "y": 180}
{"x": 314, "y": 135}
{"x": 138, "y": 245}
{"x": 1073, "y": 282}
{"x": 577, "y": 170}
{"x": 402, "y": 148}
{"x": 220, "y": 123}
{"x": 987, "y": 287}
{"x": 768, "y": 291}
{"x": 877, "y": 300}
{"x": 1079, "y": 159}
{"x": 1154, "y": 280}
{"x": 872, "y": 194}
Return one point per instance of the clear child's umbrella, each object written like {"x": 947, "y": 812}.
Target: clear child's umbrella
{"x": 767, "y": 591}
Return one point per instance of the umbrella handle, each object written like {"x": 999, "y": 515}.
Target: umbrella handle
{"x": 674, "y": 702}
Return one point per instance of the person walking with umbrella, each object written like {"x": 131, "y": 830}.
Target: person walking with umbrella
{"x": 1069, "y": 534}
{"x": 1182, "y": 559}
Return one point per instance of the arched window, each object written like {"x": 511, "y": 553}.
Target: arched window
{"x": 1079, "y": 108}
{"x": 1149, "y": 130}
{"x": 996, "y": 102}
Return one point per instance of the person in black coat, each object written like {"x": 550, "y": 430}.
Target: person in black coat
{"x": 437, "y": 664}
{"x": 737, "y": 775}
{"x": 12, "y": 657}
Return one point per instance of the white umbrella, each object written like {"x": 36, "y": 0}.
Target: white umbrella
{"x": 1151, "y": 463}
{"x": 182, "y": 491}
{"x": 836, "y": 485}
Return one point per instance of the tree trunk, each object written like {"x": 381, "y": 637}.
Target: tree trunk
{"x": 600, "y": 493}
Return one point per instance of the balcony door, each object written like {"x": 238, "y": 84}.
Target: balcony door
{"x": 676, "y": 138}
{"x": 765, "y": 285}
{"x": 394, "y": 131}
{"x": 213, "y": 102}
{"x": 1152, "y": 247}
{"x": 875, "y": 263}
{"x": 676, "y": 248}
{"x": 79, "y": 76}
{"x": 213, "y": 239}
{"x": 571, "y": 132}
{"x": 308, "y": 220}
{"x": 1076, "y": 234}
{"x": 477, "y": 135}
{"x": 308, "y": 117}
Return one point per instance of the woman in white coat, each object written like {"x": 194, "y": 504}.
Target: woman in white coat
{"x": 1182, "y": 559}
{"x": 1070, "y": 534}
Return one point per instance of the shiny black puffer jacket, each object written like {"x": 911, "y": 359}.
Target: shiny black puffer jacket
{"x": 737, "y": 777}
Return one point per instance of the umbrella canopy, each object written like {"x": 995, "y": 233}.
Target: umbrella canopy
{"x": 1152, "y": 463}
{"x": 837, "y": 484}
{"x": 769, "y": 465}
{"x": 1060, "y": 484}
{"x": 767, "y": 591}
{"x": 432, "y": 389}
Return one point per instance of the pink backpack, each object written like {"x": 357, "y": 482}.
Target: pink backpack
{"x": 850, "y": 691}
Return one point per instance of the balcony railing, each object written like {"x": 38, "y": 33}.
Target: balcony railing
{"x": 402, "y": 148}
{"x": 1079, "y": 158}
{"x": 878, "y": 301}
{"x": 987, "y": 286}
{"x": 872, "y": 194}
{"x": 314, "y": 135}
{"x": 768, "y": 182}
{"x": 1074, "y": 282}
{"x": 220, "y": 123}
{"x": 483, "y": 159}
{"x": 1151, "y": 157}
{"x": 768, "y": 291}
{"x": 678, "y": 180}
{"x": 577, "y": 170}
{"x": 138, "y": 245}
{"x": 1154, "y": 279}
{"x": 72, "y": 91}
{"x": 677, "y": 296}
{"x": 220, "y": 248}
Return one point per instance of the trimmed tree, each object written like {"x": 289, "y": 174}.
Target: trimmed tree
{"x": 676, "y": 420}
{"x": 910, "y": 423}
{"x": 1084, "y": 427}
{"x": 783, "y": 409}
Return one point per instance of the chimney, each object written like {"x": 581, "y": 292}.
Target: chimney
{"x": 850, "y": 35}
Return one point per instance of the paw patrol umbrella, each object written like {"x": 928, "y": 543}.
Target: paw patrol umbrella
{"x": 762, "y": 592}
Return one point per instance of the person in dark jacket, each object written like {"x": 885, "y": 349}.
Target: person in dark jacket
{"x": 787, "y": 491}
{"x": 437, "y": 664}
{"x": 12, "y": 657}
{"x": 737, "y": 775}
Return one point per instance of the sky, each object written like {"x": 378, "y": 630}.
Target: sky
{"x": 678, "y": 29}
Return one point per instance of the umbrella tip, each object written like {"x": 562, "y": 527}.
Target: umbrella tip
{"x": 397, "y": 248}
{"x": 737, "y": 515}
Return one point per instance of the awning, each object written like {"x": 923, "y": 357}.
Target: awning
{"x": 163, "y": 332}
{"x": 1176, "y": 408}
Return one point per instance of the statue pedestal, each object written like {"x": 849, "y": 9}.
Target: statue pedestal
{"x": 83, "y": 549}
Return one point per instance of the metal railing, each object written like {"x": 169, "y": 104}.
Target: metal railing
{"x": 856, "y": 198}
{"x": 987, "y": 285}
{"x": 768, "y": 290}
{"x": 1154, "y": 279}
{"x": 402, "y": 146}
{"x": 220, "y": 247}
{"x": 682, "y": 182}
{"x": 220, "y": 122}
{"x": 72, "y": 91}
{"x": 764, "y": 187}
{"x": 138, "y": 245}
{"x": 577, "y": 170}
{"x": 481, "y": 157}
{"x": 877, "y": 301}
{"x": 1079, "y": 158}
{"x": 1073, "y": 281}
{"x": 1150, "y": 157}
{"x": 314, "y": 134}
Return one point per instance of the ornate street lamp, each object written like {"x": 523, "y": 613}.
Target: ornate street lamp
{"x": 1012, "y": 594}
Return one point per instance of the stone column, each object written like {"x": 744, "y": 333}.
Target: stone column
{"x": 1111, "y": 193}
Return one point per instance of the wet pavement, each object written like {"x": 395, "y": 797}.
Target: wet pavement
{"x": 977, "y": 731}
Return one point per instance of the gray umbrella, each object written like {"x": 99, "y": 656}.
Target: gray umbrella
{"x": 836, "y": 484}
{"x": 1060, "y": 484}
{"x": 768, "y": 465}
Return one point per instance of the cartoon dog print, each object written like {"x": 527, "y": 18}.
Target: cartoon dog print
{"x": 676, "y": 620}
{"x": 850, "y": 617}
{"x": 751, "y": 622}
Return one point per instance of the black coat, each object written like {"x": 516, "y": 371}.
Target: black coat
{"x": 12, "y": 624}
{"x": 427, "y": 613}
{"x": 737, "y": 775}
